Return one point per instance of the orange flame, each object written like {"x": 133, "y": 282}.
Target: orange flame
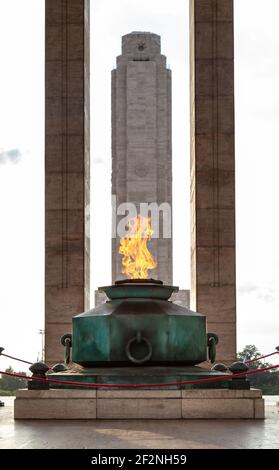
{"x": 137, "y": 259}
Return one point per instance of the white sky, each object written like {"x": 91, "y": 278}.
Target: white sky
{"x": 22, "y": 179}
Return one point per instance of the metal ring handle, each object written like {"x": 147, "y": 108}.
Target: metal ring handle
{"x": 66, "y": 341}
{"x": 138, "y": 339}
{"x": 212, "y": 341}
{"x": 64, "y": 337}
{"x": 213, "y": 335}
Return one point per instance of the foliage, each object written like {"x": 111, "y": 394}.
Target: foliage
{"x": 251, "y": 352}
{"x": 9, "y": 383}
{"x": 269, "y": 380}
{"x": 7, "y": 393}
{"x": 270, "y": 389}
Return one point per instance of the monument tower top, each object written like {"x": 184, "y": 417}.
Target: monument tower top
{"x": 141, "y": 45}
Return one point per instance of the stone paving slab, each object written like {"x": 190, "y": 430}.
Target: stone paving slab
{"x": 139, "y": 434}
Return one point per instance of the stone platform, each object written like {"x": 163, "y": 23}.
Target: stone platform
{"x": 139, "y": 404}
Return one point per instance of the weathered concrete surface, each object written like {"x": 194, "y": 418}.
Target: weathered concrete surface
{"x": 213, "y": 289}
{"x": 66, "y": 168}
{"x": 135, "y": 434}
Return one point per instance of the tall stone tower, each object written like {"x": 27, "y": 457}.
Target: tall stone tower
{"x": 141, "y": 138}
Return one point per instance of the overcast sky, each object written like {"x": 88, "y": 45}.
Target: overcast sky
{"x": 22, "y": 157}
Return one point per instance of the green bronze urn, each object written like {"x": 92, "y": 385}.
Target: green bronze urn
{"x": 140, "y": 326}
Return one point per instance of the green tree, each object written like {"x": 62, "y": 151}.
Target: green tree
{"x": 251, "y": 352}
{"x": 268, "y": 381}
{"x": 12, "y": 383}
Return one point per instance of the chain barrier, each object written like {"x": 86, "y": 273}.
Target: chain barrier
{"x": 245, "y": 362}
{"x": 186, "y": 382}
{"x": 261, "y": 357}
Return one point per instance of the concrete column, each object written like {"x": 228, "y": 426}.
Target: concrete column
{"x": 66, "y": 168}
{"x": 213, "y": 289}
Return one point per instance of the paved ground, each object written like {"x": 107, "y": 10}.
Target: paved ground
{"x": 203, "y": 434}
